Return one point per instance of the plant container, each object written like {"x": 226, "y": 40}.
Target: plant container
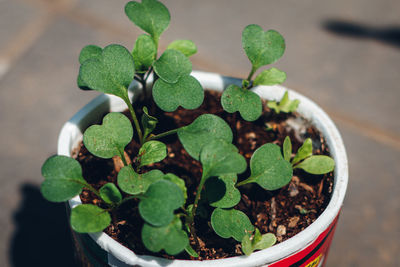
{"x": 307, "y": 248}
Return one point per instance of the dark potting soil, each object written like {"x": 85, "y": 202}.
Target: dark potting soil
{"x": 284, "y": 212}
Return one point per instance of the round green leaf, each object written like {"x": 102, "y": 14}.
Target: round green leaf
{"x": 258, "y": 242}
{"x": 262, "y": 48}
{"x": 150, "y": 15}
{"x": 287, "y": 149}
{"x": 248, "y": 103}
{"x": 187, "y": 47}
{"x": 221, "y": 191}
{"x": 219, "y": 157}
{"x": 303, "y": 152}
{"x": 88, "y": 218}
{"x": 231, "y": 223}
{"x": 318, "y": 164}
{"x": 110, "y": 138}
{"x": 151, "y": 152}
{"x": 172, "y": 65}
{"x": 270, "y": 77}
{"x": 90, "y": 51}
{"x": 269, "y": 169}
{"x": 110, "y": 193}
{"x": 178, "y": 181}
{"x": 144, "y": 53}
{"x": 133, "y": 183}
{"x": 110, "y": 74}
{"x": 267, "y": 240}
{"x": 63, "y": 179}
{"x": 170, "y": 237}
{"x": 201, "y": 131}
{"x": 187, "y": 92}
{"x": 159, "y": 202}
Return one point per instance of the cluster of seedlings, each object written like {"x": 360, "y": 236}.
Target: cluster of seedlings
{"x": 169, "y": 219}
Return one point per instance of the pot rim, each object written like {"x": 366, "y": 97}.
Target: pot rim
{"x": 71, "y": 134}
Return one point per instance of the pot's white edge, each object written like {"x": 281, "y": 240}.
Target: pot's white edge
{"x": 71, "y": 133}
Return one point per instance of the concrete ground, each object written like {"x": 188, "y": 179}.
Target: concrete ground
{"x": 343, "y": 54}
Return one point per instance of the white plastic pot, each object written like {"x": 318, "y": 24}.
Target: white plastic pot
{"x": 307, "y": 248}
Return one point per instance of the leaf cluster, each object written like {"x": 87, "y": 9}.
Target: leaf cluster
{"x": 262, "y": 48}
{"x": 168, "y": 217}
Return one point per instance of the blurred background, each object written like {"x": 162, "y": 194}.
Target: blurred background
{"x": 343, "y": 54}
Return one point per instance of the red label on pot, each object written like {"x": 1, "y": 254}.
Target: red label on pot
{"x": 314, "y": 255}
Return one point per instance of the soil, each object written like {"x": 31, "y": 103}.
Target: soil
{"x": 284, "y": 212}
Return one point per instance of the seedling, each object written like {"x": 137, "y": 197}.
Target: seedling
{"x": 169, "y": 219}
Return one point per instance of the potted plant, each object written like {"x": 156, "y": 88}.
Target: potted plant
{"x": 165, "y": 189}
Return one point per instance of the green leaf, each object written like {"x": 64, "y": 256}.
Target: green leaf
{"x": 266, "y": 241}
{"x": 178, "y": 181}
{"x": 270, "y": 77}
{"x": 110, "y": 74}
{"x": 159, "y": 202}
{"x": 287, "y": 149}
{"x": 81, "y": 84}
{"x": 269, "y": 169}
{"x": 231, "y": 223}
{"x": 221, "y": 191}
{"x": 151, "y": 152}
{"x": 248, "y": 103}
{"x": 88, "y": 218}
{"x": 219, "y": 157}
{"x": 110, "y": 138}
{"x": 191, "y": 251}
{"x": 110, "y": 193}
{"x": 187, "y": 47}
{"x": 247, "y": 246}
{"x": 186, "y": 92}
{"x": 201, "y": 131}
{"x": 144, "y": 53}
{"x": 148, "y": 122}
{"x": 133, "y": 183}
{"x": 319, "y": 164}
{"x": 303, "y": 152}
{"x": 170, "y": 237}
{"x": 262, "y": 48}
{"x": 150, "y": 15}
{"x": 285, "y": 105}
{"x": 63, "y": 179}
{"x": 258, "y": 242}
{"x": 172, "y": 65}
{"x": 90, "y": 51}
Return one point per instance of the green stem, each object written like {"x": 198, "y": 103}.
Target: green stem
{"x": 247, "y": 181}
{"x": 196, "y": 200}
{"x": 92, "y": 189}
{"x": 135, "y": 120}
{"x": 253, "y": 70}
{"x": 161, "y": 135}
{"x": 122, "y": 156}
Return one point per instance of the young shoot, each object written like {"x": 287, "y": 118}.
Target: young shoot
{"x": 164, "y": 204}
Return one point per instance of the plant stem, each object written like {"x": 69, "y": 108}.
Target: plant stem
{"x": 196, "y": 200}
{"x": 247, "y": 181}
{"x": 161, "y": 135}
{"x": 135, "y": 120}
{"x": 122, "y": 156}
{"x": 92, "y": 189}
{"x": 251, "y": 74}
{"x": 193, "y": 212}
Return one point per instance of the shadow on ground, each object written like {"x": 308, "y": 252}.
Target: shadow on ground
{"x": 42, "y": 236}
{"x": 388, "y": 35}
